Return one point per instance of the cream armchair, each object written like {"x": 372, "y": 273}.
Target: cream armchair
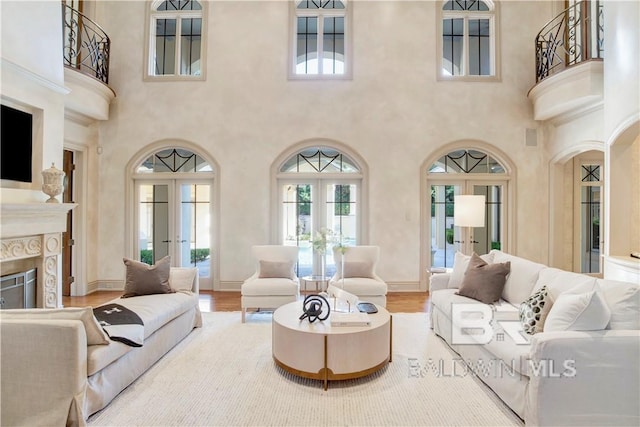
{"x": 360, "y": 276}
{"x": 274, "y": 283}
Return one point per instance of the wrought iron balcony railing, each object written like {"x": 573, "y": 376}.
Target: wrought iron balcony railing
{"x": 574, "y": 36}
{"x": 85, "y": 44}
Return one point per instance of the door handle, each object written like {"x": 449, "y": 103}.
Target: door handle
{"x": 183, "y": 241}
{"x": 166, "y": 241}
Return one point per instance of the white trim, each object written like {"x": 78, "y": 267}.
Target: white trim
{"x": 30, "y": 75}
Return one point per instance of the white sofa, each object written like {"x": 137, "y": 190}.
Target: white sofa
{"x": 559, "y": 377}
{"x": 52, "y": 377}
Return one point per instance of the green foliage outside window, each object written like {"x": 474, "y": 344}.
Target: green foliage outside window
{"x": 197, "y": 255}
{"x": 342, "y": 200}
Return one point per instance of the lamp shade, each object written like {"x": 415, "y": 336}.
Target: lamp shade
{"x": 468, "y": 211}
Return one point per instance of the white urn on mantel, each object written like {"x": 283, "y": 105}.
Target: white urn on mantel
{"x": 52, "y": 183}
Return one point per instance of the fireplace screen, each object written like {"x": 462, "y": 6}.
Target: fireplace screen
{"x": 18, "y": 290}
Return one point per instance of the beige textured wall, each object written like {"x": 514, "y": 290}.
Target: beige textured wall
{"x": 393, "y": 113}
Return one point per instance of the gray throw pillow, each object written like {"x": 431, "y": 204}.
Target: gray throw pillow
{"x": 531, "y": 310}
{"x": 358, "y": 269}
{"x": 145, "y": 279}
{"x": 484, "y": 282}
{"x": 273, "y": 269}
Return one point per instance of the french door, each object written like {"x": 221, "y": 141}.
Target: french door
{"x": 174, "y": 218}
{"x": 446, "y": 238}
{"x": 309, "y": 206}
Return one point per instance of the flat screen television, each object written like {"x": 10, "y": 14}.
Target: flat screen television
{"x": 16, "y": 144}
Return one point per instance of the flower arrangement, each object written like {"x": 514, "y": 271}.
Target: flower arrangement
{"x": 321, "y": 240}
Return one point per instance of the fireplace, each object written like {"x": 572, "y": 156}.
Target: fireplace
{"x": 31, "y": 233}
{"x": 18, "y": 290}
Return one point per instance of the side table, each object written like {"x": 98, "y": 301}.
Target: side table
{"x": 321, "y": 282}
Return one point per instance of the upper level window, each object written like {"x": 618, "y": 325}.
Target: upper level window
{"x": 321, "y": 31}
{"x": 468, "y": 39}
{"x": 175, "y": 42}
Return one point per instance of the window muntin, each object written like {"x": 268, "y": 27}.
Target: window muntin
{"x": 176, "y": 40}
{"x": 320, "y": 160}
{"x": 174, "y": 160}
{"x": 320, "y": 38}
{"x": 466, "y": 161}
{"x": 468, "y": 39}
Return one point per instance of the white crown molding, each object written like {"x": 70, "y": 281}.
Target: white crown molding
{"x": 30, "y": 75}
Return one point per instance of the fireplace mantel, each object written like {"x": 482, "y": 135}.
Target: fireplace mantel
{"x": 34, "y": 230}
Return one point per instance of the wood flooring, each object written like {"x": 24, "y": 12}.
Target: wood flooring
{"x": 397, "y": 302}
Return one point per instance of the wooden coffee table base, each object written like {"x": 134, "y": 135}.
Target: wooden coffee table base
{"x": 318, "y": 351}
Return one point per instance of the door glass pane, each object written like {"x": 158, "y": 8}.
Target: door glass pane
{"x": 489, "y": 237}
{"x": 297, "y": 224}
{"x": 341, "y": 217}
{"x": 153, "y": 222}
{"x": 590, "y": 236}
{"x": 194, "y": 240}
{"x": 443, "y": 232}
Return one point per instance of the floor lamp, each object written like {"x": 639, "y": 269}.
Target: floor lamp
{"x": 468, "y": 211}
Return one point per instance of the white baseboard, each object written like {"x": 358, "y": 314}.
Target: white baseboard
{"x": 230, "y": 286}
{"x": 404, "y": 287}
{"x": 107, "y": 285}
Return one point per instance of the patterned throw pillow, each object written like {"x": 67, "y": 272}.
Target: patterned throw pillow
{"x": 531, "y": 309}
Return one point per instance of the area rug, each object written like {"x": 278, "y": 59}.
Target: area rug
{"x": 223, "y": 374}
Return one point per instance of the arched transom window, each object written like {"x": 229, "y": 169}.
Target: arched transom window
{"x": 174, "y": 160}
{"x": 321, "y": 160}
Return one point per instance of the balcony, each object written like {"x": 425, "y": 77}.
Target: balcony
{"x": 86, "y": 58}
{"x": 569, "y": 63}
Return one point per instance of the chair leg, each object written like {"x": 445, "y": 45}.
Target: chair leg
{"x": 244, "y": 314}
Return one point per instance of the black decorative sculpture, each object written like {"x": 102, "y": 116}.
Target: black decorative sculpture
{"x": 313, "y": 307}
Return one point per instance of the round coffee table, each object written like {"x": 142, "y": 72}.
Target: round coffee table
{"x": 322, "y": 352}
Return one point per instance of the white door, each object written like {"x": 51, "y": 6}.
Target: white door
{"x": 309, "y": 206}
{"x": 174, "y": 219}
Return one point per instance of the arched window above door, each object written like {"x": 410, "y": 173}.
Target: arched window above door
{"x": 319, "y": 160}
{"x": 174, "y": 160}
{"x": 466, "y": 161}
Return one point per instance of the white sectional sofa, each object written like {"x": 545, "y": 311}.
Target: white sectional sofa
{"x": 52, "y": 374}
{"x": 567, "y": 377}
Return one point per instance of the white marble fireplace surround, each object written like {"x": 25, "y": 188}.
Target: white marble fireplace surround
{"x": 33, "y": 232}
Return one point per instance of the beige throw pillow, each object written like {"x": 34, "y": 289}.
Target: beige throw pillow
{"x": 181, "y": 278}
{"x": 358, "y": 269}
{"x": 95, "y": 334}
{"x": 145, "y": 279}
{"x": 484, "y": 282}
{"x": 273, "y": 269}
